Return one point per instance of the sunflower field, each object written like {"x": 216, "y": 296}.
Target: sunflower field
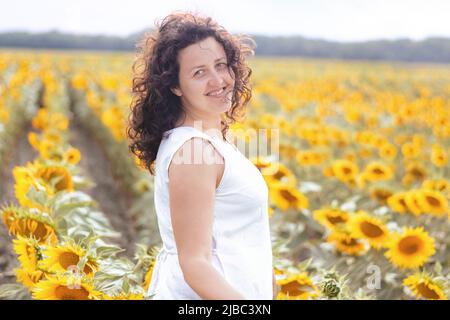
{"x": 359, "y": 192}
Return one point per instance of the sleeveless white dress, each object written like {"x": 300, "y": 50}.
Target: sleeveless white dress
{"x": 242, "y": 248}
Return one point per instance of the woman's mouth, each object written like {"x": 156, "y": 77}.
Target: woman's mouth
{"x": 218, "y": 93}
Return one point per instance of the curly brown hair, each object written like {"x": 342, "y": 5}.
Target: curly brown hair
{"x": 155, "y": 108}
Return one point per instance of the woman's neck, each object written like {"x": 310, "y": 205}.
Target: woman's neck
{"x": 211, "y": 126}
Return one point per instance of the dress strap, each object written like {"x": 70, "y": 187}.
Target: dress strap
{"x": 180, "y": 135}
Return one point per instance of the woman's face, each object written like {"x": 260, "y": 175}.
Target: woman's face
{"x": 205, "y": 83}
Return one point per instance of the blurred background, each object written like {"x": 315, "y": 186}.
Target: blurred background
{"x": 380, "y": 30}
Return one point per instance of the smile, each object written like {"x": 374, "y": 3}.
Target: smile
{"x": 217, "y": 93}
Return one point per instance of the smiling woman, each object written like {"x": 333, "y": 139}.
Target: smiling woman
{"x": 169, "y": 80}
{"x": 192, "y": 81}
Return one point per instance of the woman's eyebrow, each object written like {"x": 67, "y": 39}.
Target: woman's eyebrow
{"x": 204, "y": 65}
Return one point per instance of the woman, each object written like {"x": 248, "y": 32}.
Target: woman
{"x": 191, "y": 81}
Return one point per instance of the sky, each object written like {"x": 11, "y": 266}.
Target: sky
{"x": 338, "y": 20}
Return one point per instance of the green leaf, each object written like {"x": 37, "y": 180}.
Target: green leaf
{"x": 10, "y": 290}
{"x": 37, "y": 196}
{"x": 66, "y": 202}
{"x": 107, "y": 251}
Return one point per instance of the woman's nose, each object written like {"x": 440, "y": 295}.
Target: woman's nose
{"x": 216, "y": 79}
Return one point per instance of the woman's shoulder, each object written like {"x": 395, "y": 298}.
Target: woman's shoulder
{"x": 176, "y": 138}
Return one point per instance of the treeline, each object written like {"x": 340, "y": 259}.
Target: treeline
{"x": 428, "y": 50}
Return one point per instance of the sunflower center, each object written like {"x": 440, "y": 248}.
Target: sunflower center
{"x": 417, "y": 173}
{"x": 279, "y": 175}
{"x": 427, "y": 292}
{"x": 288, "y": 196}
{"x": 382, "y": 195}
{"x": 409, "y": 245}
{"x": 336, "y": 219}
{"x": 371, "y": 230}
{"x": 294, "y": 288}
{"x": 39, "y": 232}
{"x": 346, "y": 170}
{"x": 65, "y": 293}
{"x": 68, "y": 259}
{"x": 51, "y": 173}
{"x": 378, "y": 171}
{"x": 403, "y": 203}
{"x": 433, "y": 201}
{"x": 350, "y": 242}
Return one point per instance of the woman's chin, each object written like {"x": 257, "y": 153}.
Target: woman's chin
{"x": 220, "y": 108}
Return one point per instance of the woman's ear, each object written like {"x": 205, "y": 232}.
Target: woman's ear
{"x": 176, "y": 91}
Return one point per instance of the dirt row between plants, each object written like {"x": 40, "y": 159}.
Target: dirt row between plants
{"x": 94, "y": 164}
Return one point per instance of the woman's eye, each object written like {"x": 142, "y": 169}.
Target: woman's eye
{"x": 223, "y": 64}
{"x": 197, "y": 72}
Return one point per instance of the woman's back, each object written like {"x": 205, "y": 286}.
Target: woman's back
{"x": 242, "y": 250}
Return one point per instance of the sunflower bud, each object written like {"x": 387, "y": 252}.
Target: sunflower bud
{"x": 331, "y": 288}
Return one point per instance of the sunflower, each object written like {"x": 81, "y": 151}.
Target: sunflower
{"x": 297, "y": 287}
{"x": 347, "y": 244}
{"x": 288, "y": 151}
{"x": 438, "y": 156}
{"x": 441, "y": 185}
{"x": 328, "y": 171}
{"x": 362, "y": 225}
{"x": 47, "y": 149}
{"x": 79, "y": 81}
{"x": 58, "y": 177}
{"x": 278, "y": 172}
{"x": 33, "y": 139}
{"x": 28, "y": 252}
{"x": 34, "y": 226}
{"x": 305, "y": 158}
{"x": 424, "y": 287}
{"x": 410, "y": 249}
{"x": 381, "y": 194}
{"x": 408, "y": 180}
{"x": 361, "y": 180}
{"x": 344, "y": 170}
{"x": 54, "y": 137}
{"x": 412, "y": 202}
{"x": 365, "y": 153}
{"x": 330, "y": 217}
{"x": 376, "y": 171}
{"x": 416, "y": 170}
{"x": 397, "y": 202}
{"x": 310, "y": 158}
{"x": 72, "y": 155}
{"x": 387, "y": 151}
{"x": 24, "y": 180}
{"x": 143, "y": 185}
{"x": 29, "y": 278}
{"x": 9, "y": 213}
{"x": 59, "y": 121}
{"x": 63, "y": 287}
{"x": 433, "y": 202}
{"x": 278, "y": 270}
{"x": 287, "y": 197}
{"x": 64, "y": 257}
{"x": 410, "y": 150}
{"x": 40, "y": 121}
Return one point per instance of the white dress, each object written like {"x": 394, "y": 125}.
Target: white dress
{"x": 242, "y": 248}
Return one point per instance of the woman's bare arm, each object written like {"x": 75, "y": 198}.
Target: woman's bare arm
{"x": 191, "y": 192}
